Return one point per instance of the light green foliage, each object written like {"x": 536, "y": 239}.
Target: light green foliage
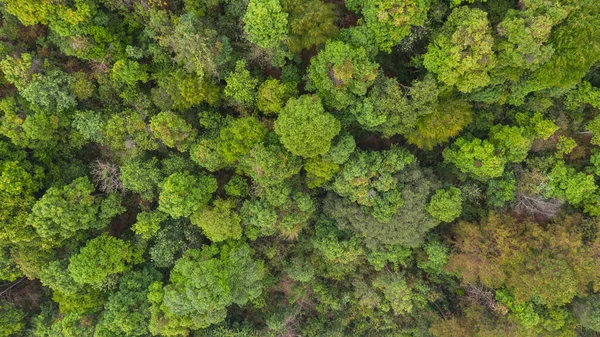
{"x": 82, "y": 87}
{"x": 565, "y": 183}
{"x": 237, "y": 187}
{"x": 16, "y": 196}
{"x": 405, "y": 110}
{"x": 391, "y": 20}
{"x": 241, "y": 86}
{"x": 220, "y": 222}
{"x": 172, "y": 130}
{"x": 237, "y": 138}
{"x": 142, "y": 177}
{"x": 336, "y": 246}
{"x": 272, "y": 95}
{"x": 129, "y": 72}
{"x": 435, "y": 257}
{"x": 101, "y": 258}
{"x": 462, "y": 53}
{"x": 203, "y": 285}
{"x": 368, "y": 179}
{"x": 310, "y": 23}
{"x": 305, "y": 129}
{"x": 148, "y": 223}
{"x": 127, "y": 311}
{"x": 180, "y": 90}
{"x": 446, "y": 205}
{"x": 183, "y": 193}
{"x": 565, "y": 146}
{"x": 319, "y": 171}
{"x": 340, "y": 74}
{"x": 512, "y": 141}
{"x": 16, "y": 70}
{"x": 265, "y": 22}
{"x": 64, "y": 212}
{"x": 594, "y": 127}
{"x": 11, "y": 320}
{"x": 476, "y": 157}
{"x": 197, "y": 47}
{"x": 394, "y": 254}
{"x": 536, "y": 126}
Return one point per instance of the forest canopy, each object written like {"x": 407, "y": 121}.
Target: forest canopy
{"x": 314, "y": 168}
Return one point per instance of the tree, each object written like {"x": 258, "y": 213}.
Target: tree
{"x": 173, "y": 130}
{"x": 340, "y": 74}
{"x": 183, "y": 193}
{"x": 51, "y": 93}
{"x": 142, "y": 177}
{"x": 238, "y": 137}
{"x": 265, "y": 22}
{"x": 370, "y": 179}
{"x": 551, "y": 265}
{"x": 202, "y": 285}
{"x": 446, "y": 205}
{"x": 65, "y": 212}
{"x": 310, "y": 23}
{"x": 127, "y": 311}
{"x": 101, "y": 258}
{"x": 391, "y": 20}
{"x": 241, "y": 86}
{"x": 17, "y": 188}
{"x": 446, "y": 121}
{"x": 462, "y": 53}
{"x": 407, "y": 226}
{"x": 305, "y": 129}
{"x": 476, "y": 157}
{"x": 11, "y": 320}
{"x": 219, "y": 223}
{"x": 272, "y": 95}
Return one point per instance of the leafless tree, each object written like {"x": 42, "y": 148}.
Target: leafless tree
{"x": 538, "y": 205}
{"x": 106, "y": 176}
{"x": 482, "y": 296}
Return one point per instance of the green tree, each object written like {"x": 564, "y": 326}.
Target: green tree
{"x": 310, "y": 23}
{"x": 462, "y": 53}
{"x": 203, "y": 285}
{"x": 219, "y": 223}
{"x": 476, "y": 157}
{"x": 237, "y": 138}
{"x": 272, "y": 95}
{"x": 11, "y": 320}
{"x": 102, "y": 257}
{"x": 127, "y": 311}
{"x": 173, "y": 130}
{"x": 142, "y": 177}
{"x": 183, "y": 193}
{"x": 265, "y": 23}
{"x": 340, "y": 74}
{"x": 65, "y": 212}
{"x": 305, "y": 129}
{"x": 241, "y": 86}
{"x": 446, "y": 205}
{"x": 391, "y": 20}
{"x": 370, "y": 179}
